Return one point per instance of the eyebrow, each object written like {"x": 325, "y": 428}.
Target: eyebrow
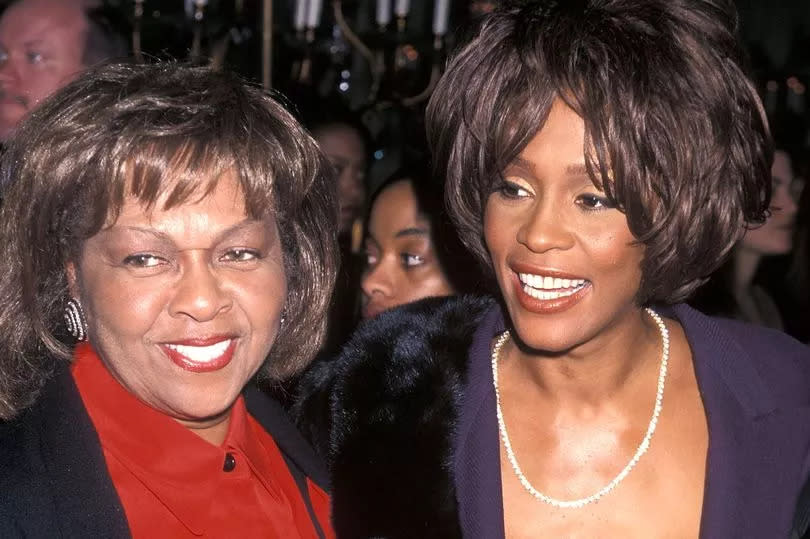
{"x": 411, "y": 231}
{"x": 162, "y": 236}
{"x": 574, "y": 169}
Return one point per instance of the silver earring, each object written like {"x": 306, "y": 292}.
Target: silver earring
{"x": 74, "y": 320}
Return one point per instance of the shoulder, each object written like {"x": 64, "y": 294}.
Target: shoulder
{"x": 26, "y": 499}
{"x": 384, "y": 413}
{"x": 275, "y": 420}
{"x": 53, "y": 474}
{"x": 780, "y": 361}
{"x": 390, "y": 355}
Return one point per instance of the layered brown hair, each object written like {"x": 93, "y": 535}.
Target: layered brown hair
{"x": 674, "y": 130}
{"x": 152, "y": 131}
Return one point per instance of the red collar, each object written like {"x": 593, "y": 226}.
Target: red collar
{"x": 176, "y": 465}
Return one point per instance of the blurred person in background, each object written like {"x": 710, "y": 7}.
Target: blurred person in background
{"x": 167, "y": 245}
{"x": 44, "y": 44}
{"x": 346, "y": 145}
{"x": 412, "y": 250}
{"x": 733, "y": 291}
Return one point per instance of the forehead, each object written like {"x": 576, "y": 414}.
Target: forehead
{"x": 394, "y": 209}
{"x": 224, "y": 202}
{"x": 559, "y": 142}
{"x": 46, "y": 21}
{"x": 782, "y": 168}
{"x": 341, "y": 140}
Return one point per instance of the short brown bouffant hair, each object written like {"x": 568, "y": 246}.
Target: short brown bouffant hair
{"x": 150, "y": 131}
{"x": 674, "y": 130}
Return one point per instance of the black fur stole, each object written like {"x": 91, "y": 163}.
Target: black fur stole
{"x": 384, "y": 413}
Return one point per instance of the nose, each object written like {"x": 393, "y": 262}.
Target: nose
{"x": 198, "y": 292}
{"x": 8, "y": 71}
{"x": 377, "y": 281}
{"x": 350, "y": 186}
{"x": 545, "y": 228}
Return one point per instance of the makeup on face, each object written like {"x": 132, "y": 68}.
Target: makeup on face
{"x": 567, "y": 265}
{"x": 183, "y": 304}
{"x": 401, "y": 263}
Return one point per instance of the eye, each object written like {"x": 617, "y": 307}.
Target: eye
{"x": 594, "y": 202}
{"x": 33, "y": 57}
{"x": 240, "y": 255}
{"x": 512, "y": 190}
{"x": 410, "y": 260}
{"x": 143, "y": 261}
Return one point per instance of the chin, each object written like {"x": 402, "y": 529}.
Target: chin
{"x": 546, "y": 338}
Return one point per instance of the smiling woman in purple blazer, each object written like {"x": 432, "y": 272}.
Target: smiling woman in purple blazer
{"x": 602, "y": 158}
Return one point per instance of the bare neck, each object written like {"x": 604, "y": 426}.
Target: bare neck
{"x": 594, "y": 372}
{"x": 746, "y": 262}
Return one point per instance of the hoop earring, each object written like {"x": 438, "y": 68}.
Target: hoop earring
{"x": 75, "y": 321}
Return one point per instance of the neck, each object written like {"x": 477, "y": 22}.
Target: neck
{"x": 745, "y": 267}
{"x": 594, "y": 372}
{"x": 213, "y": 430}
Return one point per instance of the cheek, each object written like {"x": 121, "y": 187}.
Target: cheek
{"x": 430, "y": 282}
{"x": 261, "y": 298}
{"x": 496, "y": 229}
{"x": 124, "y": 309}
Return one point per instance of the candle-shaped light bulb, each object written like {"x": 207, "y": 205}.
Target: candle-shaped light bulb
{"x": 402, "y": 7}
{"x": 300, "y": 17}
{"x": 441, "y": 13}
{"x": 383, "y": 12}
{"x": 314, "y": 13}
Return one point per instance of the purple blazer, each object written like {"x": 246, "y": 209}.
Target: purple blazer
{"x": 755, "y": 385}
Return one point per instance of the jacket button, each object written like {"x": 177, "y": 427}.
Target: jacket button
{"x": 230, "y": 462}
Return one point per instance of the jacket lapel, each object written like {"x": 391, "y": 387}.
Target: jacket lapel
{"x": 477, "y": 473}
{"x": 85, "y": 500}
{"x": 750, "y": 477}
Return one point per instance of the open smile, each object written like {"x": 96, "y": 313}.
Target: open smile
{"x": 547, "y": 293}
{"x": 201, "y": 355}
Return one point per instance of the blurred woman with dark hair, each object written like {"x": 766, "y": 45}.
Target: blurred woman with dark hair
{"x": 412, "y": 250}
{"x": 732, "y": 290}
{"x": 602, "y": 158}
{"x": 165, "y": 245}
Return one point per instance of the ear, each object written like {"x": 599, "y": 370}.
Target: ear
{"x": 72, "y": 274}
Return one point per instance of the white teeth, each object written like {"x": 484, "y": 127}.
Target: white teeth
{"x": 553, "y": 284}
{"x": 548, "y": 294}
{"x": 201, "y": 354}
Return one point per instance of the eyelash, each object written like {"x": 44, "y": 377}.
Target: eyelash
{"x": 408, "y": 260}
{"x": 238, "y": 255}
{"x": 604, "y": 203}
{"x": 588, "y": 201}
{"x": 139, "y": 260}
{"x": 511, "y": 190}
{"x": 147, "y": 260}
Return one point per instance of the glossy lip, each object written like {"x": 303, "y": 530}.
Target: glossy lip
{"x": 187, "y": 364}
{"x": 546, "y": 306}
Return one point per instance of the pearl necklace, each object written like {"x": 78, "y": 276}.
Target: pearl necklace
{"x": 642, "y": 448}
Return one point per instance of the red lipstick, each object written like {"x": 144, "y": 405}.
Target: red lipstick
{"x": 548, "y": 306}
{"x": 198, "y": 365}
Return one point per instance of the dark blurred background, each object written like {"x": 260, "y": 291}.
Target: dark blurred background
{"x": 384, "y": 75}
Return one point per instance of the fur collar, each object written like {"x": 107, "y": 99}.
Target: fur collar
{"x": 384, "y": 413}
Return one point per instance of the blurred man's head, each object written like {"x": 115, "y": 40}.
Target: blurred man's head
{"x": 44, "y": 44}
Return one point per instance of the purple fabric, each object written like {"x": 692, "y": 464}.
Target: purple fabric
{"x": 755, "y": 385}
